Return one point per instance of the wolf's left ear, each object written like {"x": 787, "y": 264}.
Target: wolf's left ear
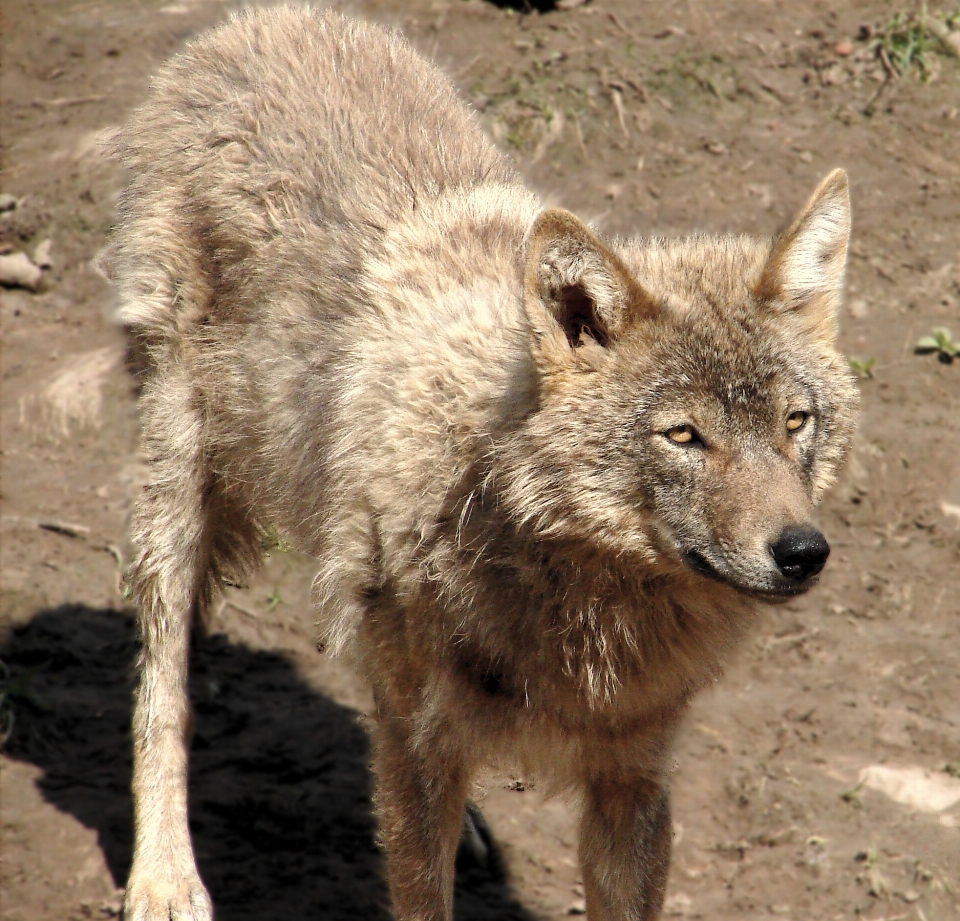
{"x": 576, "y": 286}
{"x": 804, "y": 272}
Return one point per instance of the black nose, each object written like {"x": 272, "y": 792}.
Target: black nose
{"x": 800, "y": 552}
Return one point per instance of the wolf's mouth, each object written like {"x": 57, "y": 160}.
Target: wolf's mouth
{"x": 702, "y": 566}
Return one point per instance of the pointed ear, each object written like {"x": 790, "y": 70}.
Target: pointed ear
{"x": 804, "y": 272}
{"x": 575, "y": 285}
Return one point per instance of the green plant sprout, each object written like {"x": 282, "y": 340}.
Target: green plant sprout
{"x": 941, "y": 343}
{"x": 272, "y": 540}
{"x": 853, "y": 796}
{"x": 862, "y": 367}
{"x": 905, "y": 41}
{"x": 274, "y": 601}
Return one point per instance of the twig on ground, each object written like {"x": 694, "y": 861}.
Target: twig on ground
{"x": 618, "y": 105}
{"x": 65, "y": 528}
{"x": 68, "y": 101}
{"x": 619, "y": 23}
{"x": 230, "y": 603}
{"x": 583, "y": 146}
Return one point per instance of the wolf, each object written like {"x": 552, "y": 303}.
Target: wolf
{"x": 546, "y": 475}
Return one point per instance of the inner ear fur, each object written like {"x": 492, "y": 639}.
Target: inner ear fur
{"x": 804, "y": 272}
{"x": 575, "y": 283}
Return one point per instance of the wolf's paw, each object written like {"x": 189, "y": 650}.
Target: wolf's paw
{"x": 166, "y": 899}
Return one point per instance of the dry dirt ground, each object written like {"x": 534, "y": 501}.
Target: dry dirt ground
{"x": 652, "y": 118}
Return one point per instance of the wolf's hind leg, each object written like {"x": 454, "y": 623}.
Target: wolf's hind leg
{"x": 625, "y": 840}
{"x": 186, "y": 535}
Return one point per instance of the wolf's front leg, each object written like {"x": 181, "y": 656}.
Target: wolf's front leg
{"x": 168, "y": 582}
{"x": 625, "y": 839}
{"x": 421, "y": 791}
{"x": 164, "y": 884}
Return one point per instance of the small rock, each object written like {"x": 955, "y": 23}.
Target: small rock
{"x": 579, "y": 907}
{"x": 8, "y": 202}
{"x": 113, "y": 907}
{"x": 948, "y": 37}
{"x": 569, "y": 4}
{"x": 832, "y": 75}
{"x": 876, "y": 883}
{"x": 843, "y": 49}
{"x": 806, "y": 156}
{"x": 678, "y": 905}
{"x": 910, "y": 896}
{"x": 764, "y": 193}
{"x": 41, "y": 255}
{"x": 858, "y": 308}
{"x": 717, "y": 148}
{"x": 914, "y": 787}
{"x": 18, "y": 271}
{"x": 952, "y": 43}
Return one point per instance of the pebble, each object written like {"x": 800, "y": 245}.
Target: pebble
{"x": 678, "y": 905}
{"x": 843, "y": 49}
{"x": 858, "y": 308}
{"x": 8, "y": 202}
{"x": 42, "y": 255}
{"x": 18, "y": 270}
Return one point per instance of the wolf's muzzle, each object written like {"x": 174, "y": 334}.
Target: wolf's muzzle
{"x": 800, "y": 553}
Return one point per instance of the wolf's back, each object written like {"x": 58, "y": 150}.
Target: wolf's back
{"x": 287, "y": 125}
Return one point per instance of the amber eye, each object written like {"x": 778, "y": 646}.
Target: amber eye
{"x": 683, "y": 435}
{"x": 797, "y": 420}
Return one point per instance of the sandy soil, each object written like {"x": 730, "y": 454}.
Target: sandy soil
{"x": 650, "y": 118}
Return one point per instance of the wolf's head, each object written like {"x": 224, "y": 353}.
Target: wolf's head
{"x": 692, "y": 406}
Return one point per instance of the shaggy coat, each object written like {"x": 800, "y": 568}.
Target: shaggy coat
{"x": 544, "y": 474}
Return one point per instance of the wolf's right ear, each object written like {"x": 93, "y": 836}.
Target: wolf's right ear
{"x": 804, "y": 272}
{"x": 575, "y": 286}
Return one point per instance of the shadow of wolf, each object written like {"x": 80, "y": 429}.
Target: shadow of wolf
{"x": 544, "y": 474}
{"x": 280, "y": 780}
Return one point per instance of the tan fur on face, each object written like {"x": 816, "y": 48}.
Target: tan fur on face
{"x": 362, "y": 331}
